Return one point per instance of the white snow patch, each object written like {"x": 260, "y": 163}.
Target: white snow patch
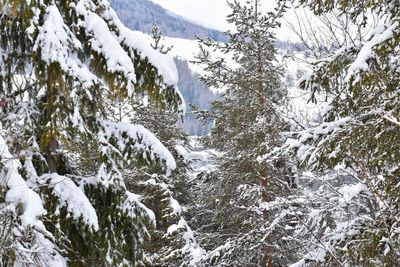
{"x": 348, "y": 192}
{"x": 176, "y": 207}
{"x": 71, "y": 197}
{"x": 381, "y": 34}
{"x": 134, "y": 199}
{"x": 143, "y": 139}
{"x": 19, "y": 196}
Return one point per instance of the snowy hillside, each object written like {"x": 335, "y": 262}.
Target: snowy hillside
{"x": 141, "y": 15}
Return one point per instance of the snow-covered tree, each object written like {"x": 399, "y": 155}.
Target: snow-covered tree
{"x": 63, "y": 64}
{"x": 248, "y": 122}
{"x": 351, "y": 219}
{"x": 172, "y": 242}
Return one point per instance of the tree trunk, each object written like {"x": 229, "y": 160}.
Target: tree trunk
{"x": 51, "y": 157}
{"x": 263, "y": 176}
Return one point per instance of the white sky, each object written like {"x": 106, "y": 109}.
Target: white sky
{"x": 211, "y": 13}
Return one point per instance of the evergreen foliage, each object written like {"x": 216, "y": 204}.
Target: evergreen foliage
{"x": 172, "y": 242}
{"x": 156, "y": 35}
{"x": 354, "y": 152}
{"x": 248, "y": 122}
{"x": 61, "y": 64}
{"x": 95, "y": 172}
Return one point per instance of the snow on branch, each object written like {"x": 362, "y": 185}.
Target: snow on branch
{"x": 19, "y": 197}
{"x": 138, "y": 41}
{"x": 392, "y": 119}
{"x": 302, "y": 144}
{"x": 118, "y": 44}
{"x": 71, "y": 197}
{"x": 133, "y": 203}
{"x": 57, "y": 43}
{"x": 367, "y": 51}
{"x": 104, "y": 42}
{"x": 98, "y": 29}
{"x": 130, "y": 140}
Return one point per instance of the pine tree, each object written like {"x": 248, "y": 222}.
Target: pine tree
{"x": 248, "y": 122}
{"x": 63, "y": 64}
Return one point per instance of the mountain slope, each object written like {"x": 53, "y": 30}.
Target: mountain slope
{"x": 141, "y": 15}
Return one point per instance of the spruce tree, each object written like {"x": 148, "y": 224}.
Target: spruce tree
{"x": 171, "y": 242}
{"x": 248, "y": 122}
{"x": 63, "y": 64}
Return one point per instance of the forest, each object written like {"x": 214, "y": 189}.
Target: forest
{"x": 296, "y": 170}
